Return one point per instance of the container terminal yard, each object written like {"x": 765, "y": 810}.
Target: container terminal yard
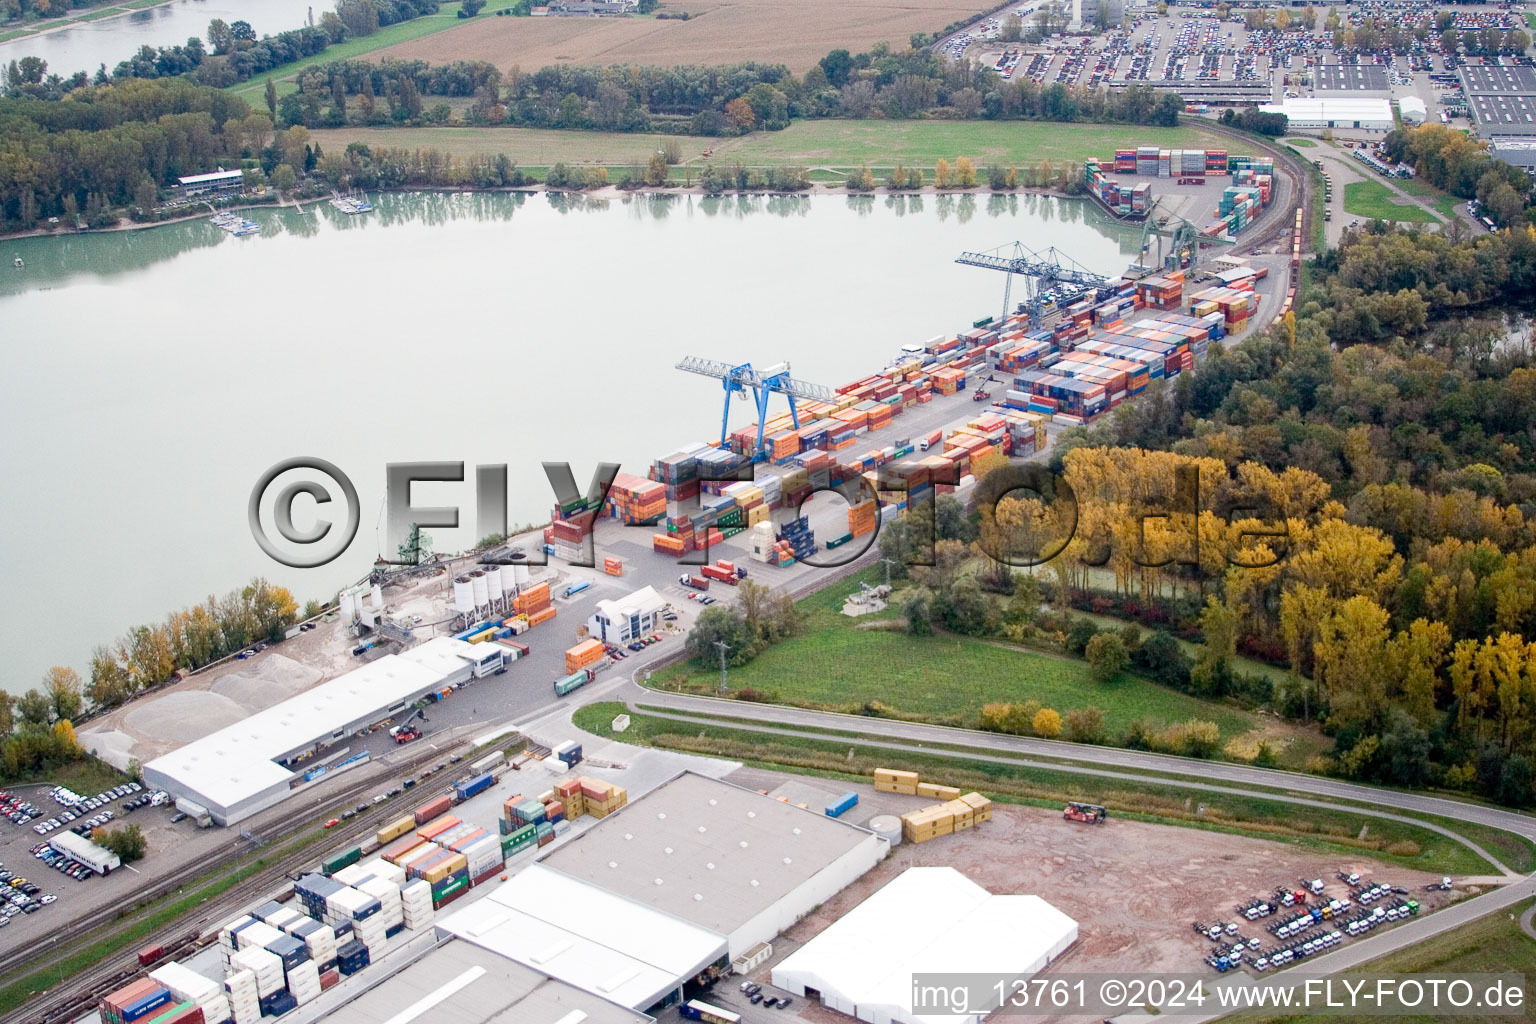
{"x": 435, "y": 891}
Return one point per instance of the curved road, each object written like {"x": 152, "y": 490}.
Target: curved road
{"x": 1211, "y": 776}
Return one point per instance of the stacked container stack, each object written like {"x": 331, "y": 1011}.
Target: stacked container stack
{"x": 1146, "y": 160}
{"x": 1215, "y": 162}
{"x": 416, "y": 904}
{"x": 533, "y": 603}
{"x": 1125, "y": 161}
{"x": 588, "y": 652}
{"x": 187, "y": 986}
{"x": 244, "y": 1002}
{"x": 601, "y": 798}
{"x": 1161, "y": 293}
{"x": 352, "y": 957}
{"x": 635, "y": 500}
{"x": 267, "y": 968}
{"x": 388, "y": 895}
{"x": 863, "y": 517}
{"x": 892, "y": 780}
{"x": 396, "y": 850}
{"x": 796, "y": 540}
{"x": 138, "y": 1001}
{"x": 304, "y": 982}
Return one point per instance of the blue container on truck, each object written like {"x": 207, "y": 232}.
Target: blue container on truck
{"x": 571, "y": 755}
{"x": 478, "y": 784}
{"x": 576, "y": 588}
{"x": 842, "y": 804}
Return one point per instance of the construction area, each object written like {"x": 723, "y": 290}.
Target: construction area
{"x": 1163, "y": 877}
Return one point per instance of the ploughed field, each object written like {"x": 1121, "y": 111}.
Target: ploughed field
{"x": 793, "y": 32}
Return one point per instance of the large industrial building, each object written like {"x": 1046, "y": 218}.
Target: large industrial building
{"x": 460, "y": 982}
{"x": 687, "y": 878}
{"x": 253, "y": 764}
{"x": 927, "y": 920}
{"x": 1502, "y": 98}
{"x": 1334, "y": 112}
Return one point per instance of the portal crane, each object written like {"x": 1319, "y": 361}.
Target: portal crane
{"x": 1042, "y": 272}
{"x": 1184, "y": 240}
{"x": 737, "y": 379}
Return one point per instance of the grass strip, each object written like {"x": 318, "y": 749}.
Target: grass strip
{"x": 1338, "y": 830}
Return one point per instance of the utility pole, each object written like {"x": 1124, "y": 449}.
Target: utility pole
{"x": 722, "y": 647}
{"x": 888, "y": 562}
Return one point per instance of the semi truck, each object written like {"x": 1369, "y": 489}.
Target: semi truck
{"x": 573, "y": 682}
{"x": 696, "y": 582}
{"x": 577, "y": 587}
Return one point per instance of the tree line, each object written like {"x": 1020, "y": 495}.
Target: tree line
{"x": 1456, "y": 162}
{"x": 1388, "y": 426}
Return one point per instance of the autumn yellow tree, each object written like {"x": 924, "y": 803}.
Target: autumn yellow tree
{"x": 965, "y": 172}
{"x": 943, "y": 174}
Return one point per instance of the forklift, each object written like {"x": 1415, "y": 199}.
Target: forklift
{"x": 407, "y": 731}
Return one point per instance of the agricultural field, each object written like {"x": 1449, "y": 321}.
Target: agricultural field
{"x": 793, "y": 32}
{"x": 447, "y": 17}
{"x": 1374, "y": 200}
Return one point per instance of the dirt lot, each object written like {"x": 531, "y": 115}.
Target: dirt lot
{"x": 1134, "y": 888}
{"x": 793, "y": 32}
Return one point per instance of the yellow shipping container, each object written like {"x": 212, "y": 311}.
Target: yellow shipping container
{"x": 395, "y": 829}
{"x": 896, "y": 775}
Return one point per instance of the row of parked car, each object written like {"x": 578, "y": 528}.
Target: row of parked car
{"x": 62, "y": 863}
{"x": 20, "y": 896}
{"x": 754, "y": 994}
{"x": 16, "y": 810}
{"x": 76, "y": 806}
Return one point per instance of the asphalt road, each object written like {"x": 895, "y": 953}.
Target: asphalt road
{"x": 1210, "y": 776}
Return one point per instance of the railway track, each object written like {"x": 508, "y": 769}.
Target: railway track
{"x": 83, "y": 991}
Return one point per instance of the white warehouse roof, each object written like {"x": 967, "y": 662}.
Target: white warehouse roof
{"x": 1342, "y": 110}
{"x": 202, "y": 179}
{"x": 925, "y": 920}
{"x": 586, "y": 937}
{"x": 238, "y": 762}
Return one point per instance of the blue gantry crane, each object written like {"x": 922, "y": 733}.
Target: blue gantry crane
{"x": 736, "y": 380}
{"x": 1049, "y": 276}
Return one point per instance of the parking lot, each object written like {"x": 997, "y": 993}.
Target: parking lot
{"x": 33, "y": 875}
{"x": 1390, "y": 48}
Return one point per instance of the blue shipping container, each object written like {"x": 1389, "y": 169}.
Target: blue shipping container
{"x": 478, "y": 784}
{"x": 842, "y": 804}
{"x": 145, "y": 1006}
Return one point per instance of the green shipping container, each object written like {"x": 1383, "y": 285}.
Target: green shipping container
{"x": 171, "y": 1013}
{"x": 336, "y": 862}
{"x": 462, "y": 883}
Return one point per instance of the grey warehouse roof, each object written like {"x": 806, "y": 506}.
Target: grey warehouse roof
{"x": 708, "y": 852}
{"x": 465, "y": 984}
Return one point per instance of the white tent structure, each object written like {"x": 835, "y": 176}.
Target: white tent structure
{"x": 927, "y": 920}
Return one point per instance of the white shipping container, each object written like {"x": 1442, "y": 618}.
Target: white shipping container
{"x": 258, "y": 934}
{"x": 384, "y": 869}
